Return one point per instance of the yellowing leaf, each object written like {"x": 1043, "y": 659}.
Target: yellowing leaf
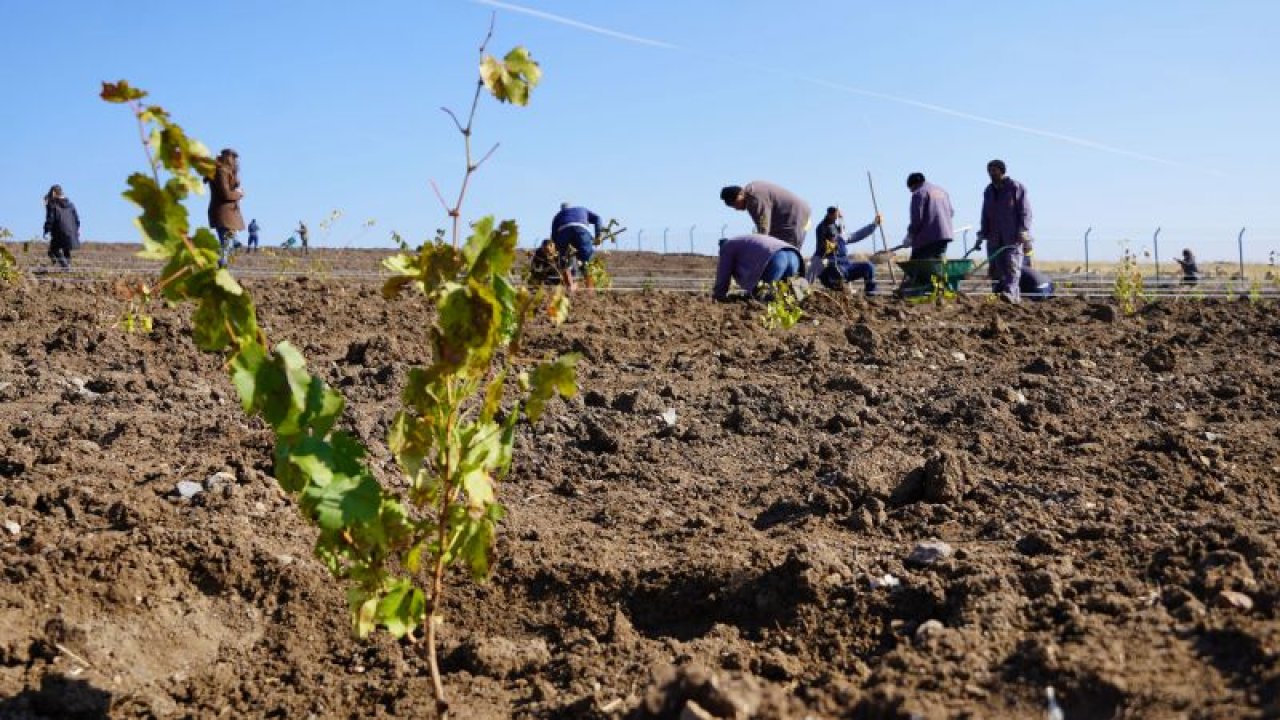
{"x": 510, "y": 79}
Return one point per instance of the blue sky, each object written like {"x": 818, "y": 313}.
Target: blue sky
{"x": 1120, "y": 116}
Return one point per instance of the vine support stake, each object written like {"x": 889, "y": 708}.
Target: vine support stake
{"x": 639, "y": 237}
{"x": 1240, "y": 250}
{"x": 883, "y": 240}
{"x": 664, "y": 239}
{"x": 1155, "y": 248}
{"x": 691, "y": 229}
{"x": 723, "y": 229}
{"x": 1086, "y": 249}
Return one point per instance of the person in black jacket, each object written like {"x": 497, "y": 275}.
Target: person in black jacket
{"x": 61, "y": 227}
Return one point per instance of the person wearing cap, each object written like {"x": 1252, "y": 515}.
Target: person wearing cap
{"x": 574, "y": 230}
{"x": 776, "y": 211}
{"x": 224, "y": 202}
{"x": 755, "y": 262}
{"x": 831, "y": 264}
{"x": 1006, "y": 228}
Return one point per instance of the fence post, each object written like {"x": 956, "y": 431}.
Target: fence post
{"x": 664, "y": 240}
{"x": 1240, "y": 248}
{"x": 1155, "y": 243}
{"x": 1086, "y": 249}
{"x": 639, "y": 237}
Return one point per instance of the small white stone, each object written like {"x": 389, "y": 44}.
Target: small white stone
{"x": 958, "y": 356}
{"x": 668, "y": 416}
{"x": 885, "y": 581}
{"x": 928, "y": 629}
{"x": 929, "y": 552}
{"x": 13, "y": 527}
{"x": 218, "y": 479}
{"x": 188, "y": 489}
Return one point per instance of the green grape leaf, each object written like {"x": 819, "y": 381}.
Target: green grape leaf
{"x": 433, "y": 266}
{"x": 402, "y": 608}
{"x": 467, "y": 326}
{"x": 364, "y": 611}
{"x": 335, "y": 501}
{"x": 474, "y": 541}
{"x": 246, "y": 366}
{"x": 209, "y": 324}
{"x": 558, "y": 307}
{"x": 510, "y": 79}
{"x": 507, "y": 443}
{"x": 550, "y": 378}
{"x": 493, "y": 397}
{"x": 120, "y": 92}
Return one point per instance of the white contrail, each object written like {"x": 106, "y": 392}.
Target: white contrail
{"x": 920, "y": 104}
{"x": 575, "y": 24}
{"x": 988, "y": 121}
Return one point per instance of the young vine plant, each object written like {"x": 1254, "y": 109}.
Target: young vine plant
{"x": 454, "y": 436}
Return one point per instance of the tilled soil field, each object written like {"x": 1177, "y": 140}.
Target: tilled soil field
{"x": 887, "y": 511}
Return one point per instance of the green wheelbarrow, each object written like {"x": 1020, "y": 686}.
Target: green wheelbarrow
{"x": 918, "y": 275}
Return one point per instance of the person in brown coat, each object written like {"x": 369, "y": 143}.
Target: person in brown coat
{"x": 224, "y": 202}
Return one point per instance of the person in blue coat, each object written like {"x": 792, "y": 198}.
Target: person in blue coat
{"x": 61, "y": 227}
{"x": 253, "y": 235}
{"x": 831, "y": 264}
{"x": 573, "y": 232}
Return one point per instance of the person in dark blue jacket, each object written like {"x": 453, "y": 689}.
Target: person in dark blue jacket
{"x": 253, "y": 235}
{"x": 831, "y": 263}
{"x": 574, "y": 231}
{"x": 61, "y": 227}
{"x": 1190, "y": 271}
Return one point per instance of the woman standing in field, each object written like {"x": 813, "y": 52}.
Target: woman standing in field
{"x": 224, "y": 202}
{"x": 61, "y": 227}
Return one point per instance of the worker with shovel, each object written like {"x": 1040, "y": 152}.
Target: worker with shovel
{"x": 1006, "y": 226}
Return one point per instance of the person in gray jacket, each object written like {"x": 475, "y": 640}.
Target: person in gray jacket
{"x": 61, "y": 227}
{"x": 776, "y": 211}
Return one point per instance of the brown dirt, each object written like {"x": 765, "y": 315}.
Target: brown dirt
{"x": 1108, "y": 485}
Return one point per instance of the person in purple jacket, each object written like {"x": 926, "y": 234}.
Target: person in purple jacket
{"x": 754, "y": 262}
{"x": 1006, "y": 226}
{"x": 775, "y": 210}
{"x": 929, "y": 231}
